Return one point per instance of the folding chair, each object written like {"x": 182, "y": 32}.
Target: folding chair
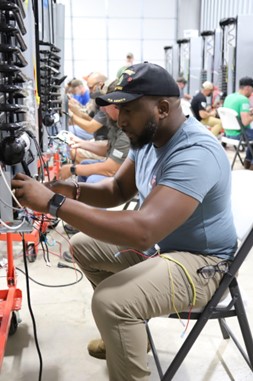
{"x": 132, "y": 204}
{"x": 230, "y": 121}
{"x": 243, "y": 215}
{"x": 186, "y": 107}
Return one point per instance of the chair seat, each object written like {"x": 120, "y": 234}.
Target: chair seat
{"x": 222, "y": 304}
{"x": 234, "y": 142}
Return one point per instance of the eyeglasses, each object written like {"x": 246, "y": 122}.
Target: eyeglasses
{"x": 209, "y": 271}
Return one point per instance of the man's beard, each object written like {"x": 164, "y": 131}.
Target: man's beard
{"x": 147, "y": 135}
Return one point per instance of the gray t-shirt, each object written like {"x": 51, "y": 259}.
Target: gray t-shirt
{"x": 102, "y": 132}
{"x": 194, "y": 163}
{"x": 118, "y": 142}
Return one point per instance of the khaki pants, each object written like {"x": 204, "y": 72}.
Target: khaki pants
{"x": 130, "y": 289}
{"x": 213, "y": 124}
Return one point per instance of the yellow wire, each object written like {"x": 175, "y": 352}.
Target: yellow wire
{"x": 165, "y": 256}
{"x": 173, "y": 296}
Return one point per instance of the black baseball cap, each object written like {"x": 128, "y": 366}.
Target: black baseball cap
{"x": 139, "y": 80}
{"x": 246, "y": 81}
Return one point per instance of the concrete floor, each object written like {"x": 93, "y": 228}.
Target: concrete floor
{"x": 65, "y": 326}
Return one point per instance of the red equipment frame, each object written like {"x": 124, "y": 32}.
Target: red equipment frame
{"x": 10, "y": 299}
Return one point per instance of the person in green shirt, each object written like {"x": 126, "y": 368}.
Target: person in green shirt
{"x": 239, "y": 101}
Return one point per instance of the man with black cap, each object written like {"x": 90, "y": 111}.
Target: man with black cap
{"x": 144, "y": 263}
{"x": 239, "y": 101}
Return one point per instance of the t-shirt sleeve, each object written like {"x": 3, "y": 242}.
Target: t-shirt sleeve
{"x": 120, "y": 148}
{"x": 101, "y": 118}
{"x": 245, "y": 106}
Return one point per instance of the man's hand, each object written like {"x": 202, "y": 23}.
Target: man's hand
{"x": 65, "y": 172}
{"x": 74, "y": 103}
{"x": 74, "y": 107}
{"x": 74, "y": 140}
{"x": 61, "y": 186}
{"x": 31, "y": 193}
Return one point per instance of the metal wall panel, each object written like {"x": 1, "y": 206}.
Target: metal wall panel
{"x": 212, "y": 11}
{"x": 244, "y": 51}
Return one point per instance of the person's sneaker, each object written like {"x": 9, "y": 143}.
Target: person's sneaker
{"x": 247, "y": 164}
{"x": 68, "y": 257}
{"x": 70, "y": 229}
{"x": 96, "y": 348}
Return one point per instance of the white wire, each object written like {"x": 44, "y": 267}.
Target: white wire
{"x": 12, "y": 227}
{"x": 7, "y": 185}
{"x": 10, "y": 206}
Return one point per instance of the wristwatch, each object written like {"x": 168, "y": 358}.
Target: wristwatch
{"x": 73, "y": 169}
{"x": 55, "y": 203}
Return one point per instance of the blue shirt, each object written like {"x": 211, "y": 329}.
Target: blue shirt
{"x": 192, "y": 162}
{"x": 83, "y": 98}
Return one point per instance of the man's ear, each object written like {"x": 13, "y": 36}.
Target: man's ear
{"x": 163, "y": 108}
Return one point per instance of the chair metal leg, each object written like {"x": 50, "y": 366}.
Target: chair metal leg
{"x": 244, "y": 326}
{"x": 224, "y": 331}
{"x": 237, "y": 154}
{"x": 154, "y": 351}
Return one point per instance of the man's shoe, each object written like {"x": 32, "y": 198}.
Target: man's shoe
{"x": 70, "y": 229}
{"x": 247, "y": 164}
{"x": 68, "y": 257}
{"x": 96, "y": 348}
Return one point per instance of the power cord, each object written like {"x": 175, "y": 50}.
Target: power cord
{"x": 30, "y": 307}
{"x": 60, "y": 265}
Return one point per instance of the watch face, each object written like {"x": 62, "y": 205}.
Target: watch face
{"x": 58, "y": 198}
{"x": 73, "y": 169}
{"x": 55, "y": 203}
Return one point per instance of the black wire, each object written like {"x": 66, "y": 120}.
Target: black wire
{"x": 68, "y": 235}
{"x": 60, "y": 265}
{"x": 42, "y": 161}
{"x": 47, "y": 252}
{"x": 43, "y": 250}
{"x": 30, "y": 307}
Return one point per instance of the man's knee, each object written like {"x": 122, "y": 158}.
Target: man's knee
{"x": 80, "y": 244}
{"x": 107, "y": 303}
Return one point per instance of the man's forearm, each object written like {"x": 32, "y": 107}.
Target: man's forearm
{"x": 94, "y": 147}
{"x": 103, "y": 196}
{"x": 105, "y": 168}
{"x": 90, "y": 126}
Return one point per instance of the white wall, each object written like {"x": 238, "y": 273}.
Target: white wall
{"x": 99, "y": 34}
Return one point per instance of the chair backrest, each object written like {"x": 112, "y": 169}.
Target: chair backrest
{"x": 242, "y": 203}
{"x": 186, "y": 107}
{"x": 229, "y": 118}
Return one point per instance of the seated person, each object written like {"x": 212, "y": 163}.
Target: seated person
{"x": 90, "y": 118}
{"x": 185, "y": 214}
{"x": 239, "y": 101}
{"x": 204, "y": 113}
{"x": 115, "y": 152}
{"x": 181, "y": 82}
{"x": 79, "y": 91}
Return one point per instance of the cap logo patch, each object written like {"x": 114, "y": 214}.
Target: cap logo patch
{"x": 128, "y": 72}
{"x": 116, "y": 100}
